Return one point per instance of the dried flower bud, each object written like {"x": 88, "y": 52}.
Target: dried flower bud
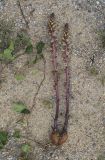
{"x": 51, "y": 23}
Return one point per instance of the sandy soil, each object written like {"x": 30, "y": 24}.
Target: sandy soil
{"x": 87, "y": 109}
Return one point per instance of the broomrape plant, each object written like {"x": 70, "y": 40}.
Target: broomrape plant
{"x": 59, "y": 137}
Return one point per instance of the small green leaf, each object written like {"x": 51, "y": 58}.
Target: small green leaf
{"x": 19, "y": 107}
{"x": 16, "y": 134}
{"x": 11, "y": 47}
{"x": 25, "y": 111}
{"x": 29, "y": 48}
{"x": 25, "y": 148}
{"x": 7, "y": 53}
{"x": 19, "y": 77}
{"x": 39, "y": 47}
{"x": 3, "y": 138}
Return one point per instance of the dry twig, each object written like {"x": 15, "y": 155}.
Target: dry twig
{"x": 22, "y": 13}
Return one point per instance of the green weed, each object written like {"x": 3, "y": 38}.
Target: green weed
{"x": 19, "y": 77}
{"x": 20, "y": 107}
{"x": 3, "y": 138}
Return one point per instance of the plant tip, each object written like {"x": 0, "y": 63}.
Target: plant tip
{"x": 52, "y": 15}
{"x": 66, "y": 26}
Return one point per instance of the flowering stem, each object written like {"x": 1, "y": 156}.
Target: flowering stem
{"x": 67, "y": 75}
{"x": 51, "y": 28}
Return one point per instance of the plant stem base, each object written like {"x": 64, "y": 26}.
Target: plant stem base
{"x": 58, "y": 138}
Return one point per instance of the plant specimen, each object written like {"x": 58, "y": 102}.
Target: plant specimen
{"x": 67, "y": 79}
{"x": 51, "y": 28}
{"x": 59, "y": 137}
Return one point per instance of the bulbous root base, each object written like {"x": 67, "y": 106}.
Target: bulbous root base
{"x": 58, "y": 139}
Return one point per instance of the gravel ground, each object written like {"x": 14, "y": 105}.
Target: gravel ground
{"x": 87, "y": 113}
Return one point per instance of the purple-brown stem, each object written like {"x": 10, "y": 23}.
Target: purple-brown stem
{"x": 67, "y": 75}
{"x": 51, "y": 28}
